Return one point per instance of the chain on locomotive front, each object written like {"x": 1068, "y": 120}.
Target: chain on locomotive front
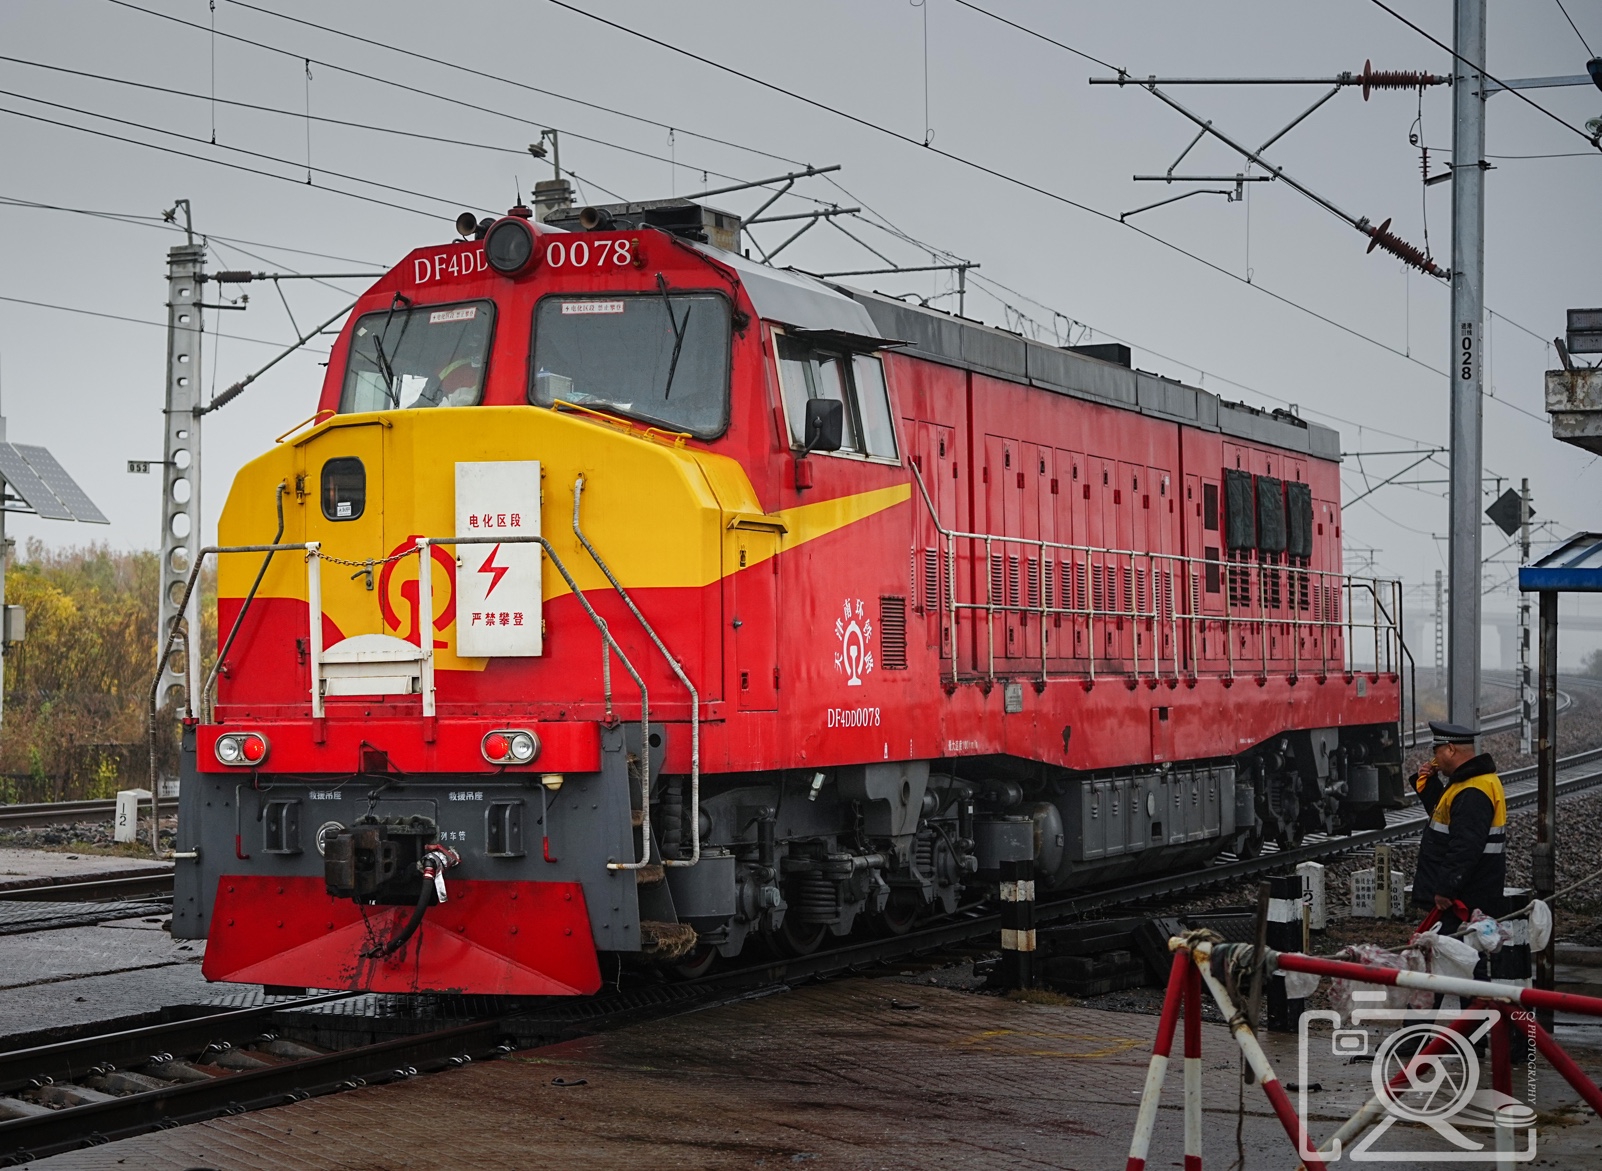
{"x": 554, "y": 635}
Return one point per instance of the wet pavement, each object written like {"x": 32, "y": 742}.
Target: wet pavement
{"x": 21, "y": 867}
{"x": 858, "y": 1073}
{"x": 81, "y": 975}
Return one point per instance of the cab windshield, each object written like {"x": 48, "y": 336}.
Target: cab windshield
{"x": 659, "y": 357}
{"x": 422, "y": 356}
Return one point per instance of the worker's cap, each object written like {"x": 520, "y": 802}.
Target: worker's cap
{"x": 1445, "y": 733}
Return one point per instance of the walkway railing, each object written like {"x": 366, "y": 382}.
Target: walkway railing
{"x": 1153, "y": 595}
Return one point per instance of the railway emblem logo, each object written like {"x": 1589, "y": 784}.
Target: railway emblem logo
{"x": 853, "y": 629}
{"x": 408, "y": 625}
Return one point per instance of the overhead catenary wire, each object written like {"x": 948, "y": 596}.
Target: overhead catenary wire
{"x": 217, "y": 162}
{"x": 1004, "y": 176}
{"x": 1576, "y": 28}
{"x": 1374, "y": 341}
{"x": 1479, "y": 67}
{"x": 301, "y": 115}
{"x": 440, "y": 199}
{"x": 882, "y": 224}
{"x": 1250, "y": 390}
{"x": 460, "y": 102}
{"x": 1263, "y": 289}
{"x": 133, "y": 219}
{"x": 452, "y": 64}
{"x": 142, "y": 321}
{"x": 1039, "y": 36}
{"x": 442, "y": 62}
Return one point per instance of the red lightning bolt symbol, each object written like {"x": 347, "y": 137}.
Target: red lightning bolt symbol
{"x": 489, "y": 566}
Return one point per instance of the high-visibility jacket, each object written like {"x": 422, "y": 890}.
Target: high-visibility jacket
{"x": 1463, "y": 852}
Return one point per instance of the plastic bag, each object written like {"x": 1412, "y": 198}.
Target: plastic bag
{"x": 1448, "y": 956}
{"x": 1486, "y": 934}
{"x": 1540, "y": 929}
{"x": 1410, "y": 960}
{"x": 1300, "y": 985}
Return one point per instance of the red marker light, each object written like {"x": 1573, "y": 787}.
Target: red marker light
{"x": 510, "y": 746}
{"x": 241, "y": 749}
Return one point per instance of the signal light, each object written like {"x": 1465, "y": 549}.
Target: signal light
{"x": 241, "y": 749}
{"x": 510, "y": 746}
{"x": 509, "y": 246}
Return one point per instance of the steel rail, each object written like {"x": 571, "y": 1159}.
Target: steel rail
{"x": 94, "y": 889}
{"x": 62, "y": 1060}
{"x": 26, "y": 1139}
{"x": 43, "y": 813}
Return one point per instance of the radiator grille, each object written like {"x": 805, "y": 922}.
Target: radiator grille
{"x": 893, "y": 633}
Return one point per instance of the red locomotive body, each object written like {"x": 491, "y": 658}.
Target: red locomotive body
{"x": 766, "y": 606}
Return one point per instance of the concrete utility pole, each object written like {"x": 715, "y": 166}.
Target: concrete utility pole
{"x": 1526, "y": 688}
{"x": 180, "y": 499}
{"x": 1468, "y": 308}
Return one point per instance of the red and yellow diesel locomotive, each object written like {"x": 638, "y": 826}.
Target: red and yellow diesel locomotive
{"x": 725, "y": 603}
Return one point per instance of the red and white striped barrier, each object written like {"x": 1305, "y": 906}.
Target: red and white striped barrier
{"x": 1198, "y": 961}
{"x": 1184, "y": 988}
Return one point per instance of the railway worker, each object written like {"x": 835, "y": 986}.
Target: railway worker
{"x": 456, "y": 385}
{"x": 1461, "y": 864}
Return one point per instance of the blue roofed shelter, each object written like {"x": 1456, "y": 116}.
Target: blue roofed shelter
{"x": 1575, "y": 566}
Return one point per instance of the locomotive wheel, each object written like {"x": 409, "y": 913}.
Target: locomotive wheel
{"x": 794, "y": 938}
{"x": 1251, "y": 847}
{"x": 899, "y": 914}
{"x": 1289, "y": 836}
{"x": 698, "y": 963}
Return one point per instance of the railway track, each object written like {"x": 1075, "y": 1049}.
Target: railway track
{"x": 96, "y": 1089}
{"x": 46, "y": 813}
{"x": 102, "y": 1087}
{"x": 1504, "y": 720}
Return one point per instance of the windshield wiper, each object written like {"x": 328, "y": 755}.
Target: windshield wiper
{"x": 391, "y": 392}
{"x": 679, "y": 329}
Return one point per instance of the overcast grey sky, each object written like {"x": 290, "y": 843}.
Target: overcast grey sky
{"x": 91, "y": 387}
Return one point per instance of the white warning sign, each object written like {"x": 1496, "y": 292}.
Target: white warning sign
{"x": 498, "y": 583}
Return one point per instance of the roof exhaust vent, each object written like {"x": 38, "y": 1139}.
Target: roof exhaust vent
{"x": 1115, "y": 352}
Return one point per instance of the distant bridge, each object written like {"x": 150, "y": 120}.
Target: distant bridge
{"x": 1420, "y": 634}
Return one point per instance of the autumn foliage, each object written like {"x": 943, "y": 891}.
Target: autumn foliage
{"x": 77, "y": 690}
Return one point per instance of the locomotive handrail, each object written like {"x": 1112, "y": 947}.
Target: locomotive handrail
{"x": 178, "y": 631}
{"x": 1330, "y": 589}
{"x": 695, "y": 699}
{"x": 425, "y": 605}
{"x": 206, "y": 704}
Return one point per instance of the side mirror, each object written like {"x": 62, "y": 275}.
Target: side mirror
{"x": 825, "y": 425}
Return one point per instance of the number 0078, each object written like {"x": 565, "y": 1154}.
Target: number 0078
{"x": 584, "y": 254}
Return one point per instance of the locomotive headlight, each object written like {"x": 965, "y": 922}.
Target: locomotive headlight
{"x": 509, "y": 246}
{"x": 241, "y": 749}
{"x": 510, "y": 746}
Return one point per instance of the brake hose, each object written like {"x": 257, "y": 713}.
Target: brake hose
{"x": 436, "y": 860}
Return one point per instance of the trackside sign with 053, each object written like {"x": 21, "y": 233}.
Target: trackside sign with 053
{"x": 498, "y": 582}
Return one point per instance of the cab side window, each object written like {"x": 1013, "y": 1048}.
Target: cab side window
{"x": 344, "y": 488}
{"x": 854, "y": 380}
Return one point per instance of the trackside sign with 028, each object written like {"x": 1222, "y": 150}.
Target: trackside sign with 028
{"x": 498, "y": 584}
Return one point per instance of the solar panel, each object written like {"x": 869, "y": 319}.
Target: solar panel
{"x": 64, "y": 486}
{"x": 25, "y": 482}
